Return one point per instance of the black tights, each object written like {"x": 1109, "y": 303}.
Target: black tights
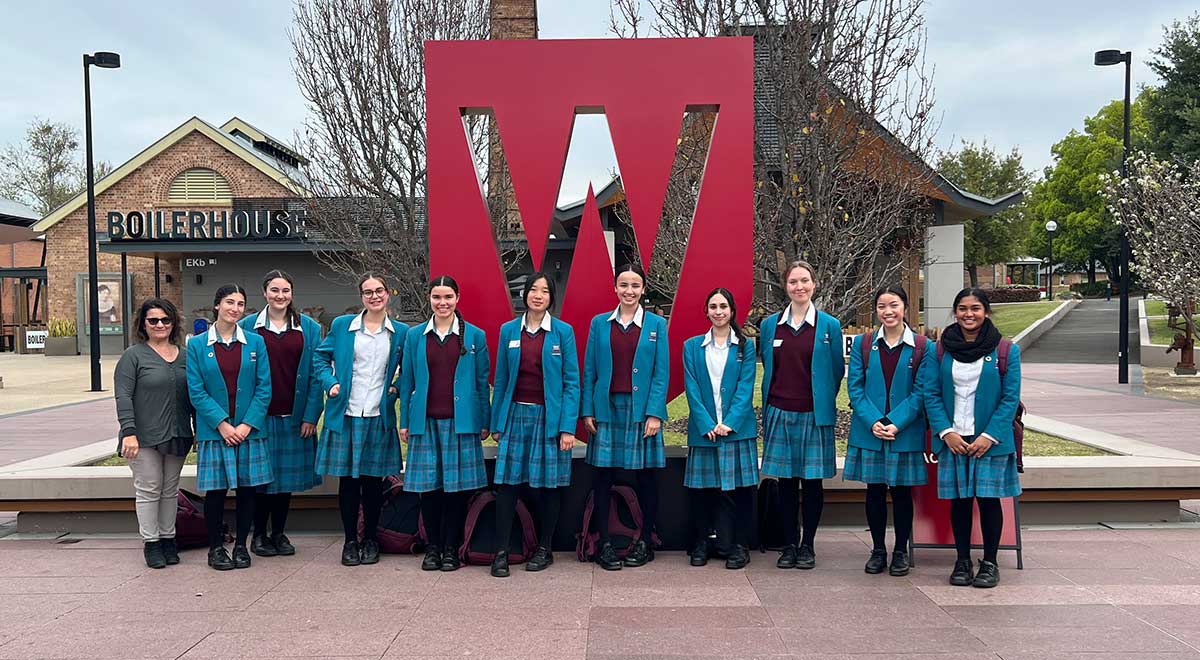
{"x": 355, "y": 492}
{"x": 273, "y": 507}
{"x": 443, "y": 515}
{"x": 706, "y": 502}
{"x": 647, "y": 493}
{"x": 902, "y": 514}
{"x": 991, "y": 523}
{"x": 549, "y": 505}
{"x": 791, "y": 507}
{"x": 214, "y": 515}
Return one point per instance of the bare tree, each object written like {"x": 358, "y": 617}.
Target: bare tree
{"x": 843, "y": 126}
{"x": 46, "y": 170}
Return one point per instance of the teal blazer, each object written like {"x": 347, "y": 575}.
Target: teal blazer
{"x": 737, "y": 392}
{"x": 308, "y": 400}
{"x": 651, "y": 369}
{"x": 828, "y": 366}
{"x": 209, "y": 397}
{"x": 996, "y": 400}
{"x": 560, "y": 371}
{"x": 333, "y": 364}
{"x": 471, "y": 403}
{"x": 869, "y": 399}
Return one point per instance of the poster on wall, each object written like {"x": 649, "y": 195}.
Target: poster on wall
{"x": 111, "y": 307}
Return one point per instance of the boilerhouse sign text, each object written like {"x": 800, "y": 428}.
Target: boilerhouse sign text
{"x": 205, "y": 225}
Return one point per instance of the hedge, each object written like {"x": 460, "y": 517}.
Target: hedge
{"x": 1014, "y": 293}
{"x": 1090, "y": 289}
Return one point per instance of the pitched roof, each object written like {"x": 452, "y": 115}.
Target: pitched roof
{"x": 243, "y": 148}
{"x": 15, "y": 213}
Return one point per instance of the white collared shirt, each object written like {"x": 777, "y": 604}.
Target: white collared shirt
{"x": 545, "y": 325}
{"x": 432, "y": 327}
{"x": 906, "y": 338}
{"x": 371, "y": 353}
{"x": 637, "y": 317}
{"x": 263, "y": 320}
{"x": 966, "y": 382}
{"x": 715, "y": 357}
{"x": 214, "y": 336}
{"x": 810, "y": 317}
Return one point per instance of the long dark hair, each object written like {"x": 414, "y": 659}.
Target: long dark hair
{"x": 446, "y": 280}
{"x": 168, "y": 308}
{"x": 737, "y": 328}
{"x": 973, "y": 292}
{"x": 292, "y": 315}
{"x": 227, "y": 290}
{"x": 530, "y": 281}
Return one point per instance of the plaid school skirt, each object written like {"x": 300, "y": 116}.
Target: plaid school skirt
{"x": 526, "y": 455}
{"x": 221, "y": 467}
{"x": 440, "y": 459}
{"x": 731, "y": 464}
{"x": 794, "y": 446}
{"x": 620, "y": 443}
{"x": 293, "y": 459}
{"x": 368, "y": 447}
{"x": 965, "y": 476}
{"x": 885, "y": 466}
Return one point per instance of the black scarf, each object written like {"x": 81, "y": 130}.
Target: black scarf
{"x": 969, "y": 351}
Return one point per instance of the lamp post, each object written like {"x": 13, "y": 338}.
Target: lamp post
{"x": 1108, "y": 58}
{"x": 1051, "y": 227}
{"x": 104, "y": 61}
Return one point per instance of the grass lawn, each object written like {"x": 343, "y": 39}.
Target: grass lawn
{"x": 1156, "y": 308}
{"x": 1160, "y": 333}
{"x": 1012, "y": 319}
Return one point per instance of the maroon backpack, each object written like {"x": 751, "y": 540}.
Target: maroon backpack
{"x": 479, "y": 532}
{"x": 401, "y": 529}
{"x": 624, "y": 525}
{"x": 190, "y": 528}
{"x": 1018, "y": 425}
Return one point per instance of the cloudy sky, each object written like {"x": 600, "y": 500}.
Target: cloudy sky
{"x": 1015, "y": 73}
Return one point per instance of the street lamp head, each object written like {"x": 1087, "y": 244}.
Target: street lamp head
{"x": 1052, "y": 226}
{"x": 106, "y": 60}
{"x": 1109, "y": 57}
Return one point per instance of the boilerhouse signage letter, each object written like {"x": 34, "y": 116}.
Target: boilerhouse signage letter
{"x": 202, "y": 225}
{"x": 643, "y": 87}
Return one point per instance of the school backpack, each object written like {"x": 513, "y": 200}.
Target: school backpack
{"x": 401, "y": 529}
{"x": 624, "y": 525}
{"x": 479, "y": 532}
{"x": 190, "y": 529}
{"x": 771, "y": 535}
{"x": 1018, "y": 425}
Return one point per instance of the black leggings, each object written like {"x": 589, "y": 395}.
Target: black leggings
{"x": 549, "y": 505}
{"x": 273, "y": 507}
{"x": 706, "y": 502}
{"x": 443, "y": 515}
{"x": 790, "y": 506}
{"x": 214, "y": 515}
{"x": 902, "y": 514}
{"x": 355, "y": 492}
{"x": 647, "y": 493}
{"x": 991, "y": 523}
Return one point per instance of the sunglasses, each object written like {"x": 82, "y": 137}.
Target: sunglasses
{"x": 162, "y": 320}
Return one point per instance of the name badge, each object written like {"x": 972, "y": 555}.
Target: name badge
{"x": 653, "y": 335}
{"x": 555, "y": 350}
{"x": 516, "y": 343}
{"x": 777, "y": 343}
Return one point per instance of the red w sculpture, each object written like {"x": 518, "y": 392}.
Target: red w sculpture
{"x": 643, "y": 87}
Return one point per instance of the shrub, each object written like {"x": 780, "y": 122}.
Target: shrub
{"x": 62, "y": 328}
{"x": 1014, "y": 293}
{"x": 1090, "y": 289}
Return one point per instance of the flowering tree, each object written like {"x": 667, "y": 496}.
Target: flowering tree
{"x": 1158, "y": 204}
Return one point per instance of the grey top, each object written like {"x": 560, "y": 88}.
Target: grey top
{"x": 152, "y": 396}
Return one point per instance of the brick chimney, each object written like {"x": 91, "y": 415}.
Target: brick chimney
{"x": 514, "y": 19}
{"x": 511, "y": 19}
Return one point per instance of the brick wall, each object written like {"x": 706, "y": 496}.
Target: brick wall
{"x": 144, "y": 188}
{"x": 26, "y": 254}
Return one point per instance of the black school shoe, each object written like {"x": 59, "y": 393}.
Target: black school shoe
{"x": 738, "y": 557}
{"x": 241, "y": 557}
{"x": 639, "y": 555}
{"x": 369, "y": 552}
{"x": 263, "y": 546}
{"x": 987, "y": 576}
{"x": 283, "y": 546}
{"x": 607, "y": 557}
{"x": 877, "y": 562}
{"x": 218, "y": 558}
{"x": 699, "y": 555}
{"x": 500, "y": 564}
{"x": 962, "y": 576}
{"x": 450, "y": 561}
{"x": 433, "y": 559}
{"x": 787, "y": 558}
{"x": 152, "y": 552}
{"x": 806, "y": 558}
{"x": 170, "y": 551}
{"x": 541, "y": 560}
{"x": 900, "y": 565}
{"x": 351, "y": 555}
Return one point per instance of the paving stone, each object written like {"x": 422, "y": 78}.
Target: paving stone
{"x": 853, "y": 640}
{"x": 487, "y": 642}
{"x": 688, "y": 642}
{"x": 701, "y": 617}
{"x": 295, "y": 644}
{"x": 1125, "y": 639}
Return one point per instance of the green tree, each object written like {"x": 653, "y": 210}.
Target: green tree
{"x": 46, "y": 169}
{"x": 1174, "y": 109}
{"x": 978, "y": 168}
{"x": 1069, "y": 192}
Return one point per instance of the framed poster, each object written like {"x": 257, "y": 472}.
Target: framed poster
{"x": 114, "y": 309}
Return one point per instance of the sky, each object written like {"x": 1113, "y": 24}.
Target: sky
{"x": 1016, "y": 73}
